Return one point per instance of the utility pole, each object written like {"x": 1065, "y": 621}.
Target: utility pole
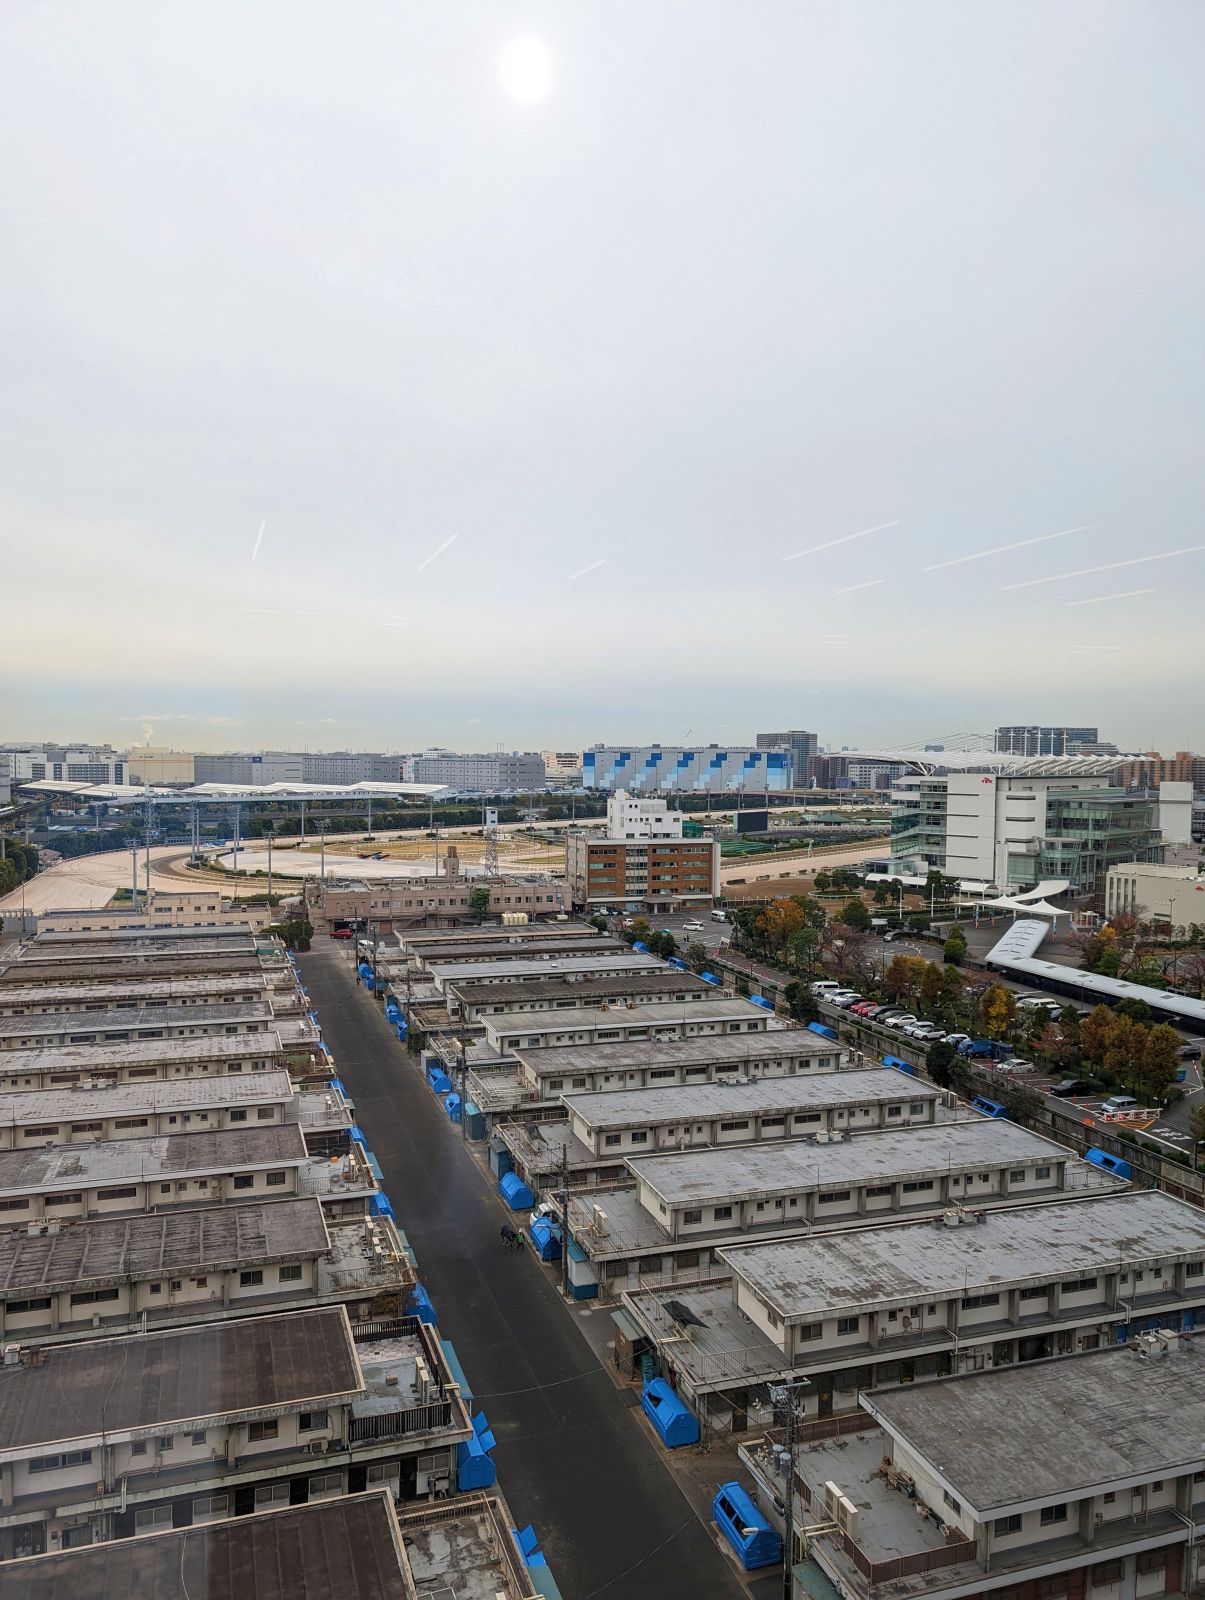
{"x": 564, "y": 1199}
{"x": 785, "y": 1398}
{"x": 270, "y": 827}
{"x": 464, "y": 1121}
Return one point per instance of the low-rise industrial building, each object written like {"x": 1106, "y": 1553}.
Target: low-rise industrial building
{"x": 445, "y": 975}
{"x": 356, "y": 1545}
{"x": 187, "y": 909}
{"x": 44, "y": 1117}
{"x": 1079, "y": 1477}
{"x": 1155, "y": 893}
{"x": 177, "y": 1171}
{"x": 393, "y": 904}
{"x": 780, "y": 1053}
{"x": 138, "y": 993}
{"x": 115, "y": 1026}
{"x": 688, "y": 1019}
{"x": 683, "y": 1208}
{"x": 113, "y": 1437}
{"x": 641, "y": 874}
{"x": 34, "y": 971}
{"x": 604, "y": 1129}
{"x": 701, "y": 1116}
{"x": 149, "y": 1061}
{"x": 73, "y": 1280}
{"x": 141, "y": 940}
{"x": 474, "y": 1002}
{"x": 901, "y": 1303}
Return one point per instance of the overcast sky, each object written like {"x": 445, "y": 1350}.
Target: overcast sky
{"x": 750, "y": 279}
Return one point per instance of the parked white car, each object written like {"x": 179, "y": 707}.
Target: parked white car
{"x": 692, "y": 927}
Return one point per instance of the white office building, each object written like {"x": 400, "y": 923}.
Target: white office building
{"x": 631, "y": 818}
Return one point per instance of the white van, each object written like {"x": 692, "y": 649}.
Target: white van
{"x": 825, "y": 987}
{"x": 719, "y": 916}
{"x": 1116, "y": 1103}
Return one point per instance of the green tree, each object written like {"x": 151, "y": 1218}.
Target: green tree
{"x": 997, "y": 1011}
{"x": 1136, "y": 1010}
{"x": 639, "y": 931}
{"x": 955, "y": 947}
{"x": 903, "y": 977}
{"x": 953, "y": 993}
{"x": 479, "y": 902}
{"x": 930, "y": 987}
{"x": 940, "y": 1061}
{"x": 801, "y": 1005}
{"x": 823, "y": 883}
{"x": 881, "y": 894}
{"x": 696, "y": 956}
{"x": 662, "y": 944}
{"x": 854, "y": 915}
{"x": 599, "y": 922}
{"x": 804, "y": 952}
{"x": 814, "y": 913}
{"x": 1121, "y": 1047}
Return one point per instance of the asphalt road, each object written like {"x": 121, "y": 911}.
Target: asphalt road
{"x": 572, "y": 1458}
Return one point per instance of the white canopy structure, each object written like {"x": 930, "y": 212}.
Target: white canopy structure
{"x": 116, "y": 794}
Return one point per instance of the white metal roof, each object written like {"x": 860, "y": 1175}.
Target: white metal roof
{"x": 1015, "y": 951}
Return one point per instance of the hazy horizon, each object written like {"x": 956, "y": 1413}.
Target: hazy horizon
{"x": 349, "y": 401}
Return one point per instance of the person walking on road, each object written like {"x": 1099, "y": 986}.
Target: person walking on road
{"x": 520, "y": 1240}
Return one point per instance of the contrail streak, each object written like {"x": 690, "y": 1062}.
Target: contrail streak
{"x": 258, "y": 539}
{"x": 435, "y": 554}
{"x": 593, "y": 567}
{"x": 1110, "y": 566}
{"x": 854, "y": 587}
{"x": 1003, "y": 549}
{"x": 845, "y": 539}
{"x": 1099, "y": 599}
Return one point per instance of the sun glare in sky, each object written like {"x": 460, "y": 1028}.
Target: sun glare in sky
{"x": 526, "y": 70}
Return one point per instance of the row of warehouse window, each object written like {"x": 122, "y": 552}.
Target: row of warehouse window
{"x": 242, "y": 1180}
{"x": 234, "y": 1114}
{"x": 250, "y": 1279}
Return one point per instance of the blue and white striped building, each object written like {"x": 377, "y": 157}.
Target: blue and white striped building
{"x": 702, "y": 769}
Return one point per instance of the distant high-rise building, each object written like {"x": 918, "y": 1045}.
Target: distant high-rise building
{"x": 45, "y": 763}
{"x": 1034, "y": 740}
{"x": 336, "y": 767}
{"x": 802, "y": 746}
{"x": 492, "y": 773}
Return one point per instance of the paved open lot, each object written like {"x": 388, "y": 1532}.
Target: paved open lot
{"x": 572, "y": 1457}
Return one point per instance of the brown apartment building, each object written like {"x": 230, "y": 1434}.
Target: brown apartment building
{"x": 654, "y": 874}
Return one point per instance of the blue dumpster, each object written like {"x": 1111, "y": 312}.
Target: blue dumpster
{"x": 744, "y": 1527}
{"x": 546, "y": 1239}
{"x": 673, "y": 1420}
{"x": 419, "y": 1305}
{"x": 516, "y": 1193}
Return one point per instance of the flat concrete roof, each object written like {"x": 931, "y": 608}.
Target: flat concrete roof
{"x": 148, "y": 936}
{"x": 133, "y": 1099}
{"x": 166, "y": 1242}
{"x": 76, "y": 1391}
{"x": 483, "y": 970}
{"x": 582, "y": 990}
{"x": 738, "y": 1049}
{"x": 1054, "y": 1430}
{"x": 523, "y": 932}
{"x": 80, "y": 1166}
{"x": 120, "y": 1053}
{"x": 801, "y": 1278}
{"x": 795, "y": 1166}
{"x": 723, "y": 1008}
{"x": 165, "y": 990}
{"x": 344, "y": 1546}
{"x": 135, "y": 1019}
{"x": 620, "y": 1108}
{"x": 85, "y": 972}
